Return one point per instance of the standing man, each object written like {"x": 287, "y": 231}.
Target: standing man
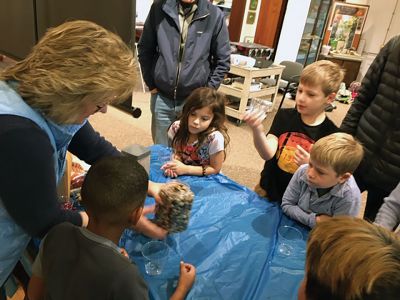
{"x": 184, "y": 45}
{"x": 374, "y": 119}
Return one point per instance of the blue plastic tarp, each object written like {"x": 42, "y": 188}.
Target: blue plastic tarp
{"x": 231, "y": 240}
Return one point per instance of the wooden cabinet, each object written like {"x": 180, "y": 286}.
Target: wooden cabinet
{"x": 350, "y": 63}
{"x": 245, "y": 93}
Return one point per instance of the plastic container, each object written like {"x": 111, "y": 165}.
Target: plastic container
{"x": 141, "y": 154}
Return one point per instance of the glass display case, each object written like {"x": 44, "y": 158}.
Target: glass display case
{"x": 313, "y": 31}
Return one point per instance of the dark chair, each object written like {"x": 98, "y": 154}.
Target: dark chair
{"x": 291, "y": 74}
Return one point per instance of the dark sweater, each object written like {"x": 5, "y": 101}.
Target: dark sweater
{"x": 28, "y": 187}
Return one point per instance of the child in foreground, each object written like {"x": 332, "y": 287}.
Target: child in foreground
{"x": 199, "y": 137}
{"x": 325, "y": 187}
{"x": 85, "y": 263}
{"x": 294, "y": 131}
{"x": 351, "y": 259}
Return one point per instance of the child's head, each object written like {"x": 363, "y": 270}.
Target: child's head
{"x": 333, "y": 159}
{"x": 318, "y": 85}
{"x": 349, "y": 258}
{"x": 203, "y": 113}
{"x": 114, "y": 191}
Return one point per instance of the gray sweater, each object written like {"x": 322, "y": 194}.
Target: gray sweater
{"x": 302, "y": 203}
{"x": 389, "y": 213}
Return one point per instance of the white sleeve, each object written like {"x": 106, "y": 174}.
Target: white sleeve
{"x": 173, "y": 129}
{"x": 216, "y": 143}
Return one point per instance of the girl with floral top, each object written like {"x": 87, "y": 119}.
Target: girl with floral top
{"x": 199, "y": 137}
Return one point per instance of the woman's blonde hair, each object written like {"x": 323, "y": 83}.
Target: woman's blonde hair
{"x": 340, "y": 151}
{"x": 76, "y": 63}
{"x": 324, "y": 73}
{"x": 349, "y": 258}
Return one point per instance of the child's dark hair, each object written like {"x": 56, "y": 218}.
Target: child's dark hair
{"x": 113, "y": 187}
{"x": 199, "y": 98}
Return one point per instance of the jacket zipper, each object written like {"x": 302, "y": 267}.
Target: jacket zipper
{"x": 178, "y": 67}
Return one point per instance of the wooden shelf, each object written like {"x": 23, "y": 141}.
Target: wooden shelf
{"x": 244, "y": 94}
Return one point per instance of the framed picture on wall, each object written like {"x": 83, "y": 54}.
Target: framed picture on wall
{"x": 251, "y": 17}
{"x": 253, "y": 4}
{"x": 345, "y": 25}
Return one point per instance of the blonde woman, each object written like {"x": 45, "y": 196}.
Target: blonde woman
{"x": 75, "y": 70}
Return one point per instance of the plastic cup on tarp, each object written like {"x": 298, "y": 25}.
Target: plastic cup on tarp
{"x": 288, "y": 237}
{"x": 155, "y": 254}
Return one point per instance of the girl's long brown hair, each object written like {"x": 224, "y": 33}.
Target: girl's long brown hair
{"x": 199, "y": 98}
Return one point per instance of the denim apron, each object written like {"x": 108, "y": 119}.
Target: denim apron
{"x": 13, "y": 239}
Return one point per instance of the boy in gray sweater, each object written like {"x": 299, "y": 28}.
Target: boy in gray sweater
{"x": 325, "y": 187}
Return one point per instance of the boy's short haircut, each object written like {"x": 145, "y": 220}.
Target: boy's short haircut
{"x": 323, "y": 73}
{"x": 338, "y": 150}
{"x": 349, "y": 258}
{"x": 114, "y": 187}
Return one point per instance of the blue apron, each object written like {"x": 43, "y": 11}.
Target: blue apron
{"x": 13, "y": 239}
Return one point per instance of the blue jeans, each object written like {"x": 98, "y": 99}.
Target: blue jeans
{"x": 164, "y": 111}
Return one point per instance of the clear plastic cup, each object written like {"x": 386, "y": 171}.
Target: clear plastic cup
{"x": 260, "y": 106}
{"x": 288, "y": 238}
{"x": 155, "y": 254}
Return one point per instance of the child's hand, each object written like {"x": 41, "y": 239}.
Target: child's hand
{"x": 168, "y": 172}
{"x": 301, "y": 156}
{"x": 254, "y": 119}
{"x": 174, "y": 168}
{"x": 186, "y": 277}
{"x": 322, "y": 218}
{"x": 123, "y": 252}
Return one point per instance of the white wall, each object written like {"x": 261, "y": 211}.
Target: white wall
{"x": 292, "y": 30}
{"x": 378, "y": 29}
{"x": 142, "y": 9}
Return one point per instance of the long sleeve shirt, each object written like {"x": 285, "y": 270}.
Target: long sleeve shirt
{"x": 302, "y": 203}
{"x": 28, "y": 187}
{"x": 389, "y": 213}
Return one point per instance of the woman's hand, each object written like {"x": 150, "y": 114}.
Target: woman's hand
{"x": 154, "y": 190}
{"x": 148, "y": 228}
